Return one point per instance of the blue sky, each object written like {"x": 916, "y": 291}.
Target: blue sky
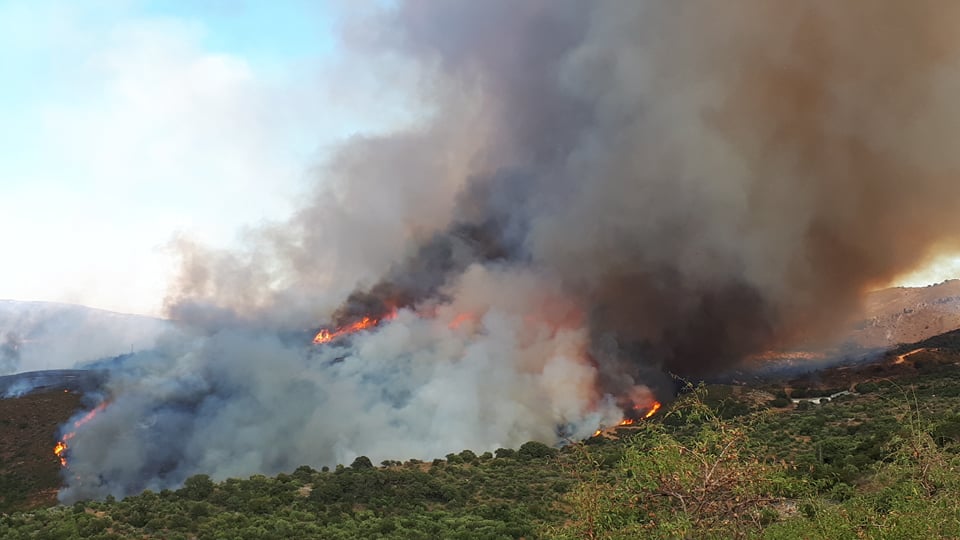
{"x": 128, "y": 121}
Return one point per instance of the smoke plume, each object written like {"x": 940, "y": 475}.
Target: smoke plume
{"x": 10, "y": 353}
{"x": 597, "y": 193}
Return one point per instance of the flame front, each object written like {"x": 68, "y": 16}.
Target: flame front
{"x": 58, "y": 451}
{"x": 61, "y": 447}
{"x": 653, "y": 410}
{"x": 89, "y": 416}
{"x": 326, "y": 336}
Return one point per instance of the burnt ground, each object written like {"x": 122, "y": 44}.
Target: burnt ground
{"x": 29, "y": 471}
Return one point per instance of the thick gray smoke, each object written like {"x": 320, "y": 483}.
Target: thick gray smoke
{"x": 598, "y": 193}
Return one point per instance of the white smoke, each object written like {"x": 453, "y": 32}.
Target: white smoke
{"x": 500, "y": 363}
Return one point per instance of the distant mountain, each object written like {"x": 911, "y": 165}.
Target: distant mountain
{"x": 45, "y": 335}
{"x": 889, "y": 318}
{"x": 908, "y": 314}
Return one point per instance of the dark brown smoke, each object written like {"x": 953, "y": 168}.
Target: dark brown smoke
{"x": 707, "y": 179}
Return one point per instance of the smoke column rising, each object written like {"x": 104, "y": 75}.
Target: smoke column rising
{"x": 597, "y": 193}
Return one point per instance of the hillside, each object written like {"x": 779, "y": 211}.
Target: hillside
{"x": 908, "y": 314}
{"x": 29, "y": 472}
{"x": 44, "y": 335}
{"x": 723, "y": 461}
{"x": 889, "y": 317}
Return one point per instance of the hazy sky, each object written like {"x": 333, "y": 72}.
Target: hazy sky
{"x": 128, "y": 121}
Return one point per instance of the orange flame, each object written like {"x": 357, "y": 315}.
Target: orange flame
{"x": 61, "y": 445}
{"x": 631, "y": 421}
{"x": 326, "y": 336}
{"x": 58, "y": 451}
{"x": 653, "y": 410}
{"x": 89, "y": 416}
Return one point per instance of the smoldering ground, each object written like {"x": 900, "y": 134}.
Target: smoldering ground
{"x": 608, "y": 191}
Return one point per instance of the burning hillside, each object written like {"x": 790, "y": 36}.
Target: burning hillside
{"x": 60, "y": 449}
{"x": 366, "y": 323}
{"x": 596, "y": 195}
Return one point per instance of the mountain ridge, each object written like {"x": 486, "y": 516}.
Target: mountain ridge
{"x": 37, "y": 335}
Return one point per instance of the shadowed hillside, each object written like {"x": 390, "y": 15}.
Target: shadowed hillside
{"x": 29, "y": 471}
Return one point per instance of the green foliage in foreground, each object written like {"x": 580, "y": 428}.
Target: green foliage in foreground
{"x": 713, "y": 478}
{"x": 881, "y": 464}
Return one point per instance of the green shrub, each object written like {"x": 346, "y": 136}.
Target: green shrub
{"x": 779, "y": 402}
{"x": 361, "y": 463}
{"x": 534, "y": 450}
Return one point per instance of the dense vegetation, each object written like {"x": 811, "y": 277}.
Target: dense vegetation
{"x": 722, "y": 462}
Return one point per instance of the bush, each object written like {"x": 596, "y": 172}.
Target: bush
{"x": 197, "y": 488}
{"x": 362, "y": 462}
{"x": 947, "y": 432}
{"x": 779, "y": 402}
{"x": 667, "y": 486}
{"x": 304, "y": 473}
{"x": 534, "y": 450}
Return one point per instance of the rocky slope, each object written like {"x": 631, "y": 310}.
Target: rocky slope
{"x": 906, "y": 315}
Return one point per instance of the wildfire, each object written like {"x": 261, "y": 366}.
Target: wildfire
{"x": 326, "y": 336}
{"x": 631, "y": 421}
{"x": 88, "y": 417}
{"x": 58, "y": 451}
{"x": 460, "y": 320}
{"x": 61, "y": 447}
{"x": 653, "y": 409}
